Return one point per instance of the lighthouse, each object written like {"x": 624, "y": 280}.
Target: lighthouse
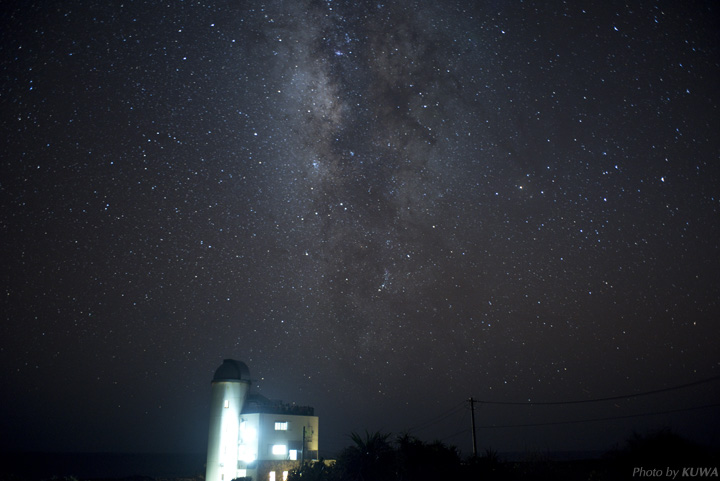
{"x": 230, "y": 386}
{"x": 253, "y": 436}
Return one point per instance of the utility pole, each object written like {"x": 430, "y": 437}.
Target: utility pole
{"x": 302, "y": 462}
{"x": 472, "y": 418}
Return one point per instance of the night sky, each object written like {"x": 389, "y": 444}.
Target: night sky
{"x": 382, "y": 208}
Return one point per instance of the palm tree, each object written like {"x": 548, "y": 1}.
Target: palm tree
{"x": 371, "y": 459}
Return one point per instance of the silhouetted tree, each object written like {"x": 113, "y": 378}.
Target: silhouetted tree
{"x": 488, "y": 467}
{"x": 418, "y": 461}
{"x": 371, "y": 459}
{"x": 659, "y": 449}
{"x": 317, "y": 471}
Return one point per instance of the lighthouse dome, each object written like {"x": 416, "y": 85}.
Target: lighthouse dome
{"x": 232, "y": 370}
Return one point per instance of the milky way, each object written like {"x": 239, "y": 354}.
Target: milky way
{"x": 372, "y": 171}
{"x": 382, "y": 208}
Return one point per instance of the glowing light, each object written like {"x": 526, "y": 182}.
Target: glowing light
{"x": 246, "y": 454}
{"x": 247, "y": 433}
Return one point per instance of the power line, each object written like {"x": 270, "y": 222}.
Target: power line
{"x": 464, "y": 431}
{"x": 609, "y": 418}
{"x": 611, "y": 398}
{"x": 439, "y": 417}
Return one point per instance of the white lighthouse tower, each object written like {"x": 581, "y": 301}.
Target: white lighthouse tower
{"x": 230, "y": 386}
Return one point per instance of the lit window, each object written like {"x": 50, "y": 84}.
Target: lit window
{"x": 285, "y": 475}
{"x": 271, "y": 476}
{"x": 227, "y": 403}
{"x": 293, "y": 455}
{"x": 279, "y": 449}
{"x": 281, "y": 426}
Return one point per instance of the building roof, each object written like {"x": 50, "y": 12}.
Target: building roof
{"x": 232, "y": 370}
{"x": 257, "y": 403}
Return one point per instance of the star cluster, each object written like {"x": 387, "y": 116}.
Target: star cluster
{"x": 382, "y": 208}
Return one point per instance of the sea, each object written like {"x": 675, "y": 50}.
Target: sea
{"x": 98, "y": 466}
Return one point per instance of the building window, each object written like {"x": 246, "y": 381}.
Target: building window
{"x": 227, "y": 403}
{"x": 279, "y": 449}
{"x": 293, "y": 455}
{"x": 285, "y": 475}
{"x": 271, "y": 476}
{"x": 281, "y": 426}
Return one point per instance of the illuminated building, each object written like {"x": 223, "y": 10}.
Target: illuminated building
{"x": 250, "y": 435}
